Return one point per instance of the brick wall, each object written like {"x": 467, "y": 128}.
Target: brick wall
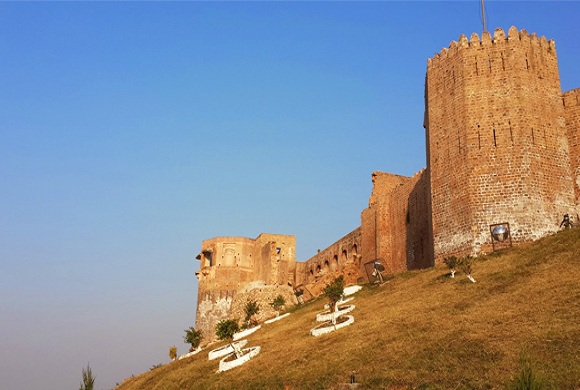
{"x": 343, "y": 255}
{"x": 376, "y": 237}
{"x": 396, "y": 225}
{"x": 572, "y": 112}
{"x": 411, "y": 224}
{"x": 230, "y": 266}
{"x": 497, "y": 142}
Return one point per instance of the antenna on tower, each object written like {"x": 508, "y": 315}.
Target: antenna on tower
{"x": 483, "y": 15}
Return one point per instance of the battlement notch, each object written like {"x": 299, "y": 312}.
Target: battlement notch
{"x": 514, "y": 37}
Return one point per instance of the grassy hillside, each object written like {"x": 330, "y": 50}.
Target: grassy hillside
{"x": 421, "y": 330}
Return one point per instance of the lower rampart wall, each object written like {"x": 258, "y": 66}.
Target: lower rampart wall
{"x": 340, "y": 258}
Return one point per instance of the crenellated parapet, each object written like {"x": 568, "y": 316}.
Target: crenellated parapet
{"x": 518, "y": 54}
{"x": 513, "y": 39}
{"x": 571, "y": 98}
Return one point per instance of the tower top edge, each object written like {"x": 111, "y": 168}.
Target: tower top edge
{"x": 499, "y": 37}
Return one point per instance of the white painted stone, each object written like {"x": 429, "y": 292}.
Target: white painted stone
{"x": 248, "y": 354}
{"x": 276, "y": 318}
{"x": 186, "y": 355}
{"x": 328, "y": 316}
{"x": 351, "y": 290}
{"x": 246, "y": 332}
{"x": 225, "y": 350}
{"x": 341, "y": 302}
{"x": 320, "y": 330}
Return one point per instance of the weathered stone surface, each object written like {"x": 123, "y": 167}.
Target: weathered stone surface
{"x": 572, "y": 122}
{"x": 234, "y": 270}
{"x": 498, "y": 143}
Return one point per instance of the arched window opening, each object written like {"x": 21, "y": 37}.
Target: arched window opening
{"x": 326, "y": 267}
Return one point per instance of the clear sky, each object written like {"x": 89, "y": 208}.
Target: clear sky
{"x": 132, "y": 131}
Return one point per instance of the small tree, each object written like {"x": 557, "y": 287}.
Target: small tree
{"x": 173, "y": 352}
{"x": 225, "y": 330}
{"x": 193, "y": 337}
{"x": 451, "y": 263}
{"x": 278, "y": 303}
{"x": 334, "y": 292}
{"x": 466, "y": 265}
{"x": 251, "y": 309}
{"x": 88, "y": 382}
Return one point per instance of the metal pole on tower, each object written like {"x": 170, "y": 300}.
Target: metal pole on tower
{"x": 483, "y": 15}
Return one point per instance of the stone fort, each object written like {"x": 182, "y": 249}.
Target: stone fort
{"x": 503, "y": 147}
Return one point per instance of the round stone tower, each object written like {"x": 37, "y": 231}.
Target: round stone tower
{"x": 497, "y": 147}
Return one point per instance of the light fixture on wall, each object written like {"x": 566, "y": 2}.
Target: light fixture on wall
{"x": 500, "y": 235}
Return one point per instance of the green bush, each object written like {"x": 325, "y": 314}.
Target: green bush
{"x": 88, "y": 382}
{"x": 193, "y": 337}
{"x": 225, "y": 329}
{"x": 278, "y": 303}
{"x": 334, "y": 291}
{"x": 251, "y": 309}
{"x": 173, "y": 352}
{"x": 451, "y": 262}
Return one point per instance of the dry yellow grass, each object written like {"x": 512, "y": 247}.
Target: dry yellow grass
{"x": 421, "y": 330}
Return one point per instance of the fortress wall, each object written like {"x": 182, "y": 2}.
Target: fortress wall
{"x": 263, "y": 295}
{"x": 445, "y": 117}
{"x": 522, "y": 174}
{"x": 340, "y": 258}
{"x": 216, "y": 292}
{"x": 496, "y": 119}
{"x": 572, "y": 113}
{"x": 411, "y": 224}
{"x": 369, "y": 222}
{"x": 227, "y": 251}
{"x": 383, "y": 184}
{"x": 376, "y": 237}
{"x": 396, "y": 225}
{"x": 301, "y": 275}
{"x": 277, "y": 254}
{"x": 232, "y": 265}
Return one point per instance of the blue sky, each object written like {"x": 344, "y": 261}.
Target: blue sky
{"x": 132, "y": 131}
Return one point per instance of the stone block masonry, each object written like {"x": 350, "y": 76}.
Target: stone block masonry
{"x": 498, "y": 145}
{"x": 396, "y": 225}
{"x": 572, "y": 116}
{"x": 236, "y": 269}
